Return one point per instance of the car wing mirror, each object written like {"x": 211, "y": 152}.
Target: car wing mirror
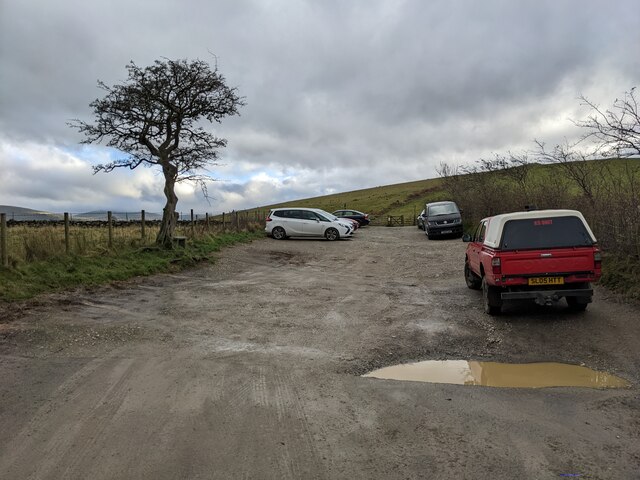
{"x": 466, "y": 237}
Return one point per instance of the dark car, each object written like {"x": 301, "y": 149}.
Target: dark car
{"x": 421, "y": 219}
{"x": 362, "y": 218}
{"x": 442, "y": 219}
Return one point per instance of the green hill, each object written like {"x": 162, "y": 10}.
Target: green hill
{"x": 480, "y": 194}
{"x": 405, "y": 199}
{"x": 27, "y": 214}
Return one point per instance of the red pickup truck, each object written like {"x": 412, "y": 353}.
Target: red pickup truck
{"x": 542, "y": 255}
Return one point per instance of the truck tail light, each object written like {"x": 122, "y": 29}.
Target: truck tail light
{"x": 597, "y": 259}
{"x": 496, "y": 266}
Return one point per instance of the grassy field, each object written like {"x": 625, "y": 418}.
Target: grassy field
{"x": 62, "y": 272}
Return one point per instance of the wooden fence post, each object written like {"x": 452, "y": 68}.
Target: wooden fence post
{"x": 223, "y": 222}
{"x": 206, "y": 221}
{"x": 110, "y": 227}
{"x": 193, "y": 227}
{"x": 66, "y": 233}
{"x": 3, "y": 239}
{"x": 143, "y": 233}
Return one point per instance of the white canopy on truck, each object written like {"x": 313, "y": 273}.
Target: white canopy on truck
{"x": 496, "y": 223}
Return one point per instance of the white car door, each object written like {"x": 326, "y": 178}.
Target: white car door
{"x": 295, "y": 223}
{"x": 312, "y": 226}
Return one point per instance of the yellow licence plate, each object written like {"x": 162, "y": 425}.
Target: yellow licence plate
{"x": 546, "y": 281}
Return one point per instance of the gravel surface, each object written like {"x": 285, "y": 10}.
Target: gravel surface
{"x": 250, "y": 368}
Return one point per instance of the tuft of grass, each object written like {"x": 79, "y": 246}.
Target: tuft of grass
{"x": 622, "y": 274}
{"x": 64, "y": 272}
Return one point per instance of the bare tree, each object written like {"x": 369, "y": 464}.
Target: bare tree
{"x": 587, "y": 174}
{"x": 154, "y": 119}
{"x": 518, "y": 168}
{"x": 616, "y": 131}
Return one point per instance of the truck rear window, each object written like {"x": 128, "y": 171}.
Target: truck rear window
{"x": 536, "y": 233}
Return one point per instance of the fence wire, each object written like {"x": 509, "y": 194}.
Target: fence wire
{"x": 32, "y": 237}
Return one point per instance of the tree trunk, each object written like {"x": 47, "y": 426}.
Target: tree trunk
{"x": 168, "y": 225}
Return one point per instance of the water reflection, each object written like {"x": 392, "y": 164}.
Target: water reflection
{"x": 492, "y": 374}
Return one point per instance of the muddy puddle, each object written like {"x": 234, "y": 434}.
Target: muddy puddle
{"x": 492, "y": 374}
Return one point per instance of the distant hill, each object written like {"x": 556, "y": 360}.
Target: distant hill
{"x": 120, "y": 216}
{"x": 28, "y": 215}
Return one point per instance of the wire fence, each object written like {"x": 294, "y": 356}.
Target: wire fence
{"x": 31, "y": 237}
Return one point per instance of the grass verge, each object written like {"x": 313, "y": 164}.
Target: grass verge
{"x": 622, "y": 275}
{"x": 65, "y": 272}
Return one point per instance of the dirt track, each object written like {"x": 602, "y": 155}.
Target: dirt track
{"x": 249, "y": 368}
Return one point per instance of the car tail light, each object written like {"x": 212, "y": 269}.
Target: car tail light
{"x": 496, "y": 266}
{"x": 366, "y": 215}
{"x": 597, "y": 259}
{"x": 268, "y": 219}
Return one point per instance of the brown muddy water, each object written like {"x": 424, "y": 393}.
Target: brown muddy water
{"x": 492, "y": 374}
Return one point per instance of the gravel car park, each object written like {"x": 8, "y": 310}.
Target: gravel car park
{"x": 251, "y": 367}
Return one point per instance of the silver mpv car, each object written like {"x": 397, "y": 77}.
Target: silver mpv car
{"x": 306, "y": 222}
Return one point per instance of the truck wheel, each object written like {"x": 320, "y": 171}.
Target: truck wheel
{"x": 473, "y": 281}
{"x": 491, "y": 298}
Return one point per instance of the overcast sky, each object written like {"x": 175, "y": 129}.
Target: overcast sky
{"x": 340, "y": 95}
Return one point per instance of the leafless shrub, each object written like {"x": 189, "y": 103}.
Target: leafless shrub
{"x": 615, "y": 131}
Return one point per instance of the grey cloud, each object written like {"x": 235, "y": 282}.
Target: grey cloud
{"x": 342, "y": 89}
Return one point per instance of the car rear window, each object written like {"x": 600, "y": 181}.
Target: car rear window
{"x": 535, "y": 233}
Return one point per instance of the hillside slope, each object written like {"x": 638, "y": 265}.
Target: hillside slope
{"x": 405, "y": 199}
{"x": 27, "y": 214}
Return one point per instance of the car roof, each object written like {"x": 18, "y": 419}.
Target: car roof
{"x": 298, "y": 208}
{"x": 292, "y": 208}
{"x": 496, "y": 223}
{"x": 348, "y": 210}
{"x": 444, "y": 202}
